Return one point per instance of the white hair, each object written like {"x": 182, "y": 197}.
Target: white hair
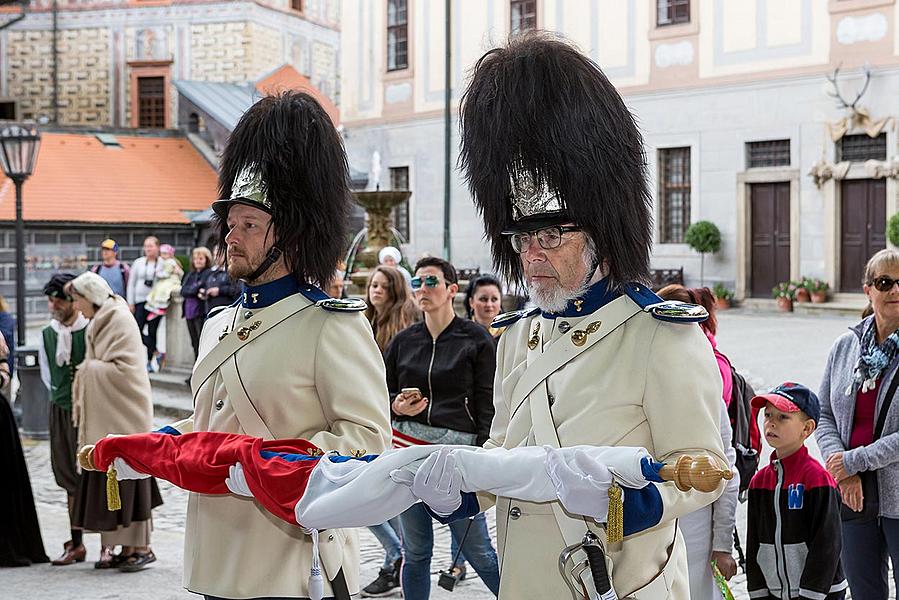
{"x": 389, "y": 251}
{"x": 556, "y": 298}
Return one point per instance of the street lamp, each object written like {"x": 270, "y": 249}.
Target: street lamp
{"x": 19, "y": 145}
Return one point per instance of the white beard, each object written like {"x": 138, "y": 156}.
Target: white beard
{"x": 555, "y": 298}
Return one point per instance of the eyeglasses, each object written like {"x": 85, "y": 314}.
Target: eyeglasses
{"x": 548, "y": 238}
{"x": 430, "y": 281}
{"x": 884, "y": 284}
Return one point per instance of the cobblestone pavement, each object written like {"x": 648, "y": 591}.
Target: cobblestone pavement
{"x": 767, "y": 348}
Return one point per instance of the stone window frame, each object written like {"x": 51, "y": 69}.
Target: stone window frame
{"x": 151, "y": 68}
{"x": 666, "y": 187}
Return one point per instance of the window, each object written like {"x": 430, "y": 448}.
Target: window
{"x": 523, "y": 15}
{"x": 399, "y": 180}
{"x": 397, "y": 35}
{"x": 859, "y": 148}
{"x": 674, "y": 194}
{"x": 7, "y": 111}
{"x": 672, "y": 12}
{"x": 151, "y": 102}
{"x": 296, "y": 5}
{"x": 772, "y": 153}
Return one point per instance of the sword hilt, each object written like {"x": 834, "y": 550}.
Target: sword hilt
{"x": 597, "y": 559}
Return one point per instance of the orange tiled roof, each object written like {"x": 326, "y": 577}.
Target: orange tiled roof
{"x": 287, "y": 78}
{"x": 146, "y": 180}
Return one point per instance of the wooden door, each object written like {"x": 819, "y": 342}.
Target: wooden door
{"x": 863, "y": 214}
{"x": 770, "y": 235}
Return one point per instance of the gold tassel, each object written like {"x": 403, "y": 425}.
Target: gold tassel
{"x": 113, "y": 500}
{"x": 615, "y": 521}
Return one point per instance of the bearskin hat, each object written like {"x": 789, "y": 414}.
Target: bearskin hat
{"x": 546, "y": 139}
{"x": 285, "y": 157}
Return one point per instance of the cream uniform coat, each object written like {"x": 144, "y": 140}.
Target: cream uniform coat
{"x": 317, "y": 375}
{"x": 647, "y": 383}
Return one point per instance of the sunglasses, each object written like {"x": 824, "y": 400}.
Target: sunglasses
{"x": 884, "y": 284}
{"x": 430, "y": 281}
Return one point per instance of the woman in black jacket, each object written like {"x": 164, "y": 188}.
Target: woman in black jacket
{"x": 440, "y": 377}
{"x": 194, "y": 308}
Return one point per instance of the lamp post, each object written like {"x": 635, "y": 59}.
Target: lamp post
{"x": 19, "y": 145}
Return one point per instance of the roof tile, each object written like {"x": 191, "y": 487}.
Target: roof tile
{"x": 145, "y": 180}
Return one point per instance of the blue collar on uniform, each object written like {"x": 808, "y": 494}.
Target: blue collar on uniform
{"x": 260, "y": 296}
{"x": 596, "y": 296}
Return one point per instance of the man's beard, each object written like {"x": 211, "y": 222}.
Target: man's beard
{"x": 554, "y": 298}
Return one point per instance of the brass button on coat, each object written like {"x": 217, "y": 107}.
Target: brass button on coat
{"x": 219, "y": 404}
{"x": 514, "y": 513}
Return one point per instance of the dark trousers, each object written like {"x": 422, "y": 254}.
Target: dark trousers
{"x": 149, "y": 339}
{"x": 194, "y": 327}
{"x": 866, "y": 548}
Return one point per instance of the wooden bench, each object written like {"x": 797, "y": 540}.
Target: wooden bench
{"x": 659, "y": 278}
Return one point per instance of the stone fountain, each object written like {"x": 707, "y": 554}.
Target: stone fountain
{"x": 378, "y": 205}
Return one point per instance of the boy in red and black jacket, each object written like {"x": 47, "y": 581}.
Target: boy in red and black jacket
{"x": 793, "y": 529}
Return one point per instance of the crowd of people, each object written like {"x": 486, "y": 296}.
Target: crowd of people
{"x": 595, "y": 360}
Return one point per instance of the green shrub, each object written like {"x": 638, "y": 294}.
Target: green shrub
{"x": 893, "y": 229}
{"x": 704, "y": 237}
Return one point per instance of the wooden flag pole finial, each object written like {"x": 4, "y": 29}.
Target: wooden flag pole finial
{"x": 700, "y": 473}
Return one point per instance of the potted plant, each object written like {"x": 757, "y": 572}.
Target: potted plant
{"x": 703, "y": 236}
{"x": 723, "y": 296}
{"x": 818, "y": 289}
{"x": 893, "y": 229}
{"x": 803, "y": 290}
{"x": 783, "y": 292}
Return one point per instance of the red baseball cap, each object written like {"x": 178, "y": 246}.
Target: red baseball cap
{"x": 790, "y": 397}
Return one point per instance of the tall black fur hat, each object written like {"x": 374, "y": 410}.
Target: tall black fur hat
{"x": 286, "y": 158}
{"x": 547, "y": 140}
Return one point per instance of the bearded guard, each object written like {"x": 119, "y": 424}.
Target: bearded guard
{"x": 285, "y": 361}
{"x": 556, "y": 166}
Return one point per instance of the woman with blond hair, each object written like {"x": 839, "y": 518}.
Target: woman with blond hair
{"x": 193, "y": 308}
{"x": 390, "y": 310}
{"x": 390, "y": 306}
{"x": 111, "y": 395}
{"x": 858, "y": 432}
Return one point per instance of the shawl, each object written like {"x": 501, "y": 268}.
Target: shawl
{"x": 111, "y": 390}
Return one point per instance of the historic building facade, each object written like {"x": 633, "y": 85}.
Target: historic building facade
{"x": 739, "y": 116}
{"x": 116, "y": 60}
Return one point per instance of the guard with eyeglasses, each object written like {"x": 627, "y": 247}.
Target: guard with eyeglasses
{"x": 556, "y": 168}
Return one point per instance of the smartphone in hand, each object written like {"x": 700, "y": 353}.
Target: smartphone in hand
{"x": 413, "y": 391}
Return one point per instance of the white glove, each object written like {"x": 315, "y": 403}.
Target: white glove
{"x": 237, "y": 481}
{"x": 584, "y": 490}
{"x": 125, "y": 471}
{"x": 438, "y": 482}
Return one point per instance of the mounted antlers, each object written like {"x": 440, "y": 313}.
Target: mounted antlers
{"x": 836, "y": 89}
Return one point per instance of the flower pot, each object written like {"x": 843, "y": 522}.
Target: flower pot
{"x": 819, "y": 297}
{"x": 785, "y": 304}
{"x": 722, "y": 303}
{"x": 802, "y": 295}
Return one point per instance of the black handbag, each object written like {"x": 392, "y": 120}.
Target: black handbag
{"x": 870, "y": 492}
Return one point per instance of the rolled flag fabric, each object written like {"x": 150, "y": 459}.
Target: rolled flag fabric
{"x": 294, "y": 481}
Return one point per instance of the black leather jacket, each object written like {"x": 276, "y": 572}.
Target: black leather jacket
{"x": 454, "y": 372}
